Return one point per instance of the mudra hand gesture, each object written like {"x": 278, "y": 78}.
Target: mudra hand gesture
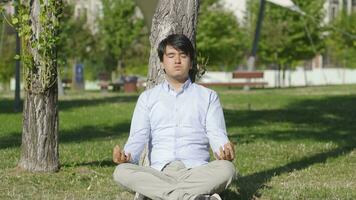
{"x": 119, "y": 156}
{"x": 226, "y": 153}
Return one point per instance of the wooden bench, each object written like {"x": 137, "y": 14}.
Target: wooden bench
{"x": 251, "y": 77}
{"x": 116, "y": 86}
{"x": 103, "y": 81}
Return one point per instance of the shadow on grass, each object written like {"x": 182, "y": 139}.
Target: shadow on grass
{"x": 82, "y": 134}
{"x": 328, "y": 119}
{"x": 331, "y": 119}
{"x": 249, "y": 185}
{"x": 99, "y": 163}
{"x": 7, "y": 105}
{"x": 69, "y": 104}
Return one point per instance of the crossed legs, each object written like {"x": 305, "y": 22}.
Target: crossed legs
{"x": 176, "y": 182}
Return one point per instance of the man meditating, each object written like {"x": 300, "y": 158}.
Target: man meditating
{"x": 178, "y": 119}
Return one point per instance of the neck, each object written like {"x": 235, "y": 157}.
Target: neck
{"x": 176, "y": 84}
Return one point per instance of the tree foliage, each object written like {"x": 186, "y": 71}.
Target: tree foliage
{"x": 7, "y": 51}
{"x": 120, "y": 28}
{"x": 288, "y": 37}
{"x": 220, "y": 38}
{"x": 341, "y": 40}
{"x": 75, "y": 38}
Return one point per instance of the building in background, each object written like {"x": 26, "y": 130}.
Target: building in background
{"x": 92, "y": 9}
{"x": 333, "y": 8}
{"x": 238, "y": 7}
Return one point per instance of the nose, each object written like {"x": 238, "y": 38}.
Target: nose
{"x": 177, "y": 60}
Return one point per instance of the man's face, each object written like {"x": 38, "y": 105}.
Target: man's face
{"x": 176, "y": 64}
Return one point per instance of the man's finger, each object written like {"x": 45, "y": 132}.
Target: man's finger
{"x": 232, "y": 149}
{"x": 229, "y": 148}
{"x": 217, "y": 157}
{"x": 232, "y": 154}
{"x": 122, "y": 159}
{"x": 128, "y": 157}
{"x": 222, "y": 155}
{"x": 227, "y": 153}
{"x": 116, "y": 154}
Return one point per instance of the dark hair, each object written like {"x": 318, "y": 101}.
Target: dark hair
{"x": 182, "y": 43}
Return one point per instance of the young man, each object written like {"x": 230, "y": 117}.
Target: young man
{"x": 178, "y": 119}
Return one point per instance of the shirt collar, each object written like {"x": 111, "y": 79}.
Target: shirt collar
{"x": 168, "y": 87}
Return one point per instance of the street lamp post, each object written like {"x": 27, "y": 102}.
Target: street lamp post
{"x": 252, "y": 58}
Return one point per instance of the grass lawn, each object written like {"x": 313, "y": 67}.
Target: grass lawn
{"x": 297, "y": 143}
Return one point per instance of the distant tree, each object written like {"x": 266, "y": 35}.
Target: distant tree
{"x": 7, "y": 52}
{"x": 120, "y": 27}
{"x": 220, "y": 38}
{"x": 75, "y": 40}
{"x": 341, "y": 40}
{"x": 137, "y": 56}
{"x": 288, "y": 37}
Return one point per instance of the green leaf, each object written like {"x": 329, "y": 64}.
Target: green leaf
{"x": 15, "y": 20}
{"x": 17, "y": 57}
{"x": 25, "y": 17}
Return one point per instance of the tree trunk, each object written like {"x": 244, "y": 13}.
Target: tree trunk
{"x": 174, "y": 16}
{"x": 40, "y": 114}
{"x": 40, "y": 132}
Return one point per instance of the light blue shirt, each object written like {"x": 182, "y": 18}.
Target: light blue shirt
{"x": 177, "y": 125}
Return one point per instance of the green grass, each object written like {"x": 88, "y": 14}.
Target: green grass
{"x": 297, "y": 143}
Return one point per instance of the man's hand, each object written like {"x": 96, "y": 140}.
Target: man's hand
{"x": 119, "y": 156}
{"x": 226, "y": 153}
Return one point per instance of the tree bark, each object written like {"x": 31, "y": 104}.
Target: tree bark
{"x": 40, "y": 114}
{"x": 40, "y": 132}
{"x": 174, "y": 16}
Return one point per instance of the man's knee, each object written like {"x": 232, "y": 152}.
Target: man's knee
{"x": 122, "y": 174}
{"x": 226, "y": 169}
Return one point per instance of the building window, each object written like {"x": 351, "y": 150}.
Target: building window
{"x": 334, "y": 12}
{"x": 335, "y": 2}
{"x": 344, "y": 4}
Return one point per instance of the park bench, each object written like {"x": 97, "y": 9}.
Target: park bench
{"x": 103, "y": 81}
{"x": 252, "y": 79}
{"x": 116, "y": 86}
{"x": 66, "y": 83}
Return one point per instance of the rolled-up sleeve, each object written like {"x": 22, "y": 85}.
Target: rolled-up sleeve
{"x": 140, "y": 129}
{"x": 215, "y": 124}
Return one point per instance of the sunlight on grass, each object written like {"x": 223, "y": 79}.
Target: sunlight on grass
{"x": 294, "y": 143}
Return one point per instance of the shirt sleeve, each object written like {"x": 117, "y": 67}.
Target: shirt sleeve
{"x": 140, "y": 129}
{"x": 215, "y": 124}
